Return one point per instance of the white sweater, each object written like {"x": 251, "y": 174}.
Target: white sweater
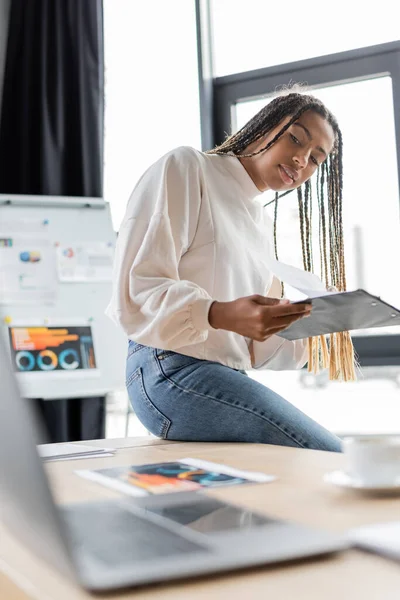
{"x": 194, "y": 233}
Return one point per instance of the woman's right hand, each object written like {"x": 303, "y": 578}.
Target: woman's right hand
{"x": 256, "y": 317}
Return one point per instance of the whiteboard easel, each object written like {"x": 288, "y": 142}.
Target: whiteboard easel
{"x": 71, "y": 221}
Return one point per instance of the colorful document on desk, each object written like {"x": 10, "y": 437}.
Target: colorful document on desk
{"x": 187, "y": 474}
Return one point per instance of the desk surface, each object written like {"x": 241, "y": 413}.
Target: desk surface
{"x": 298, "y": 494}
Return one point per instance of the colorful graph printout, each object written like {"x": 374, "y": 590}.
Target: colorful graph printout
{"x": 52, "y": 348}
{"x": 179, "y": 476}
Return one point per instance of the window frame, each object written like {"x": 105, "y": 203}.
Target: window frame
{"x": 218, "y": 95}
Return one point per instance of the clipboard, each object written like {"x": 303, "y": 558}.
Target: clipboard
{"x": 344, "y": 311}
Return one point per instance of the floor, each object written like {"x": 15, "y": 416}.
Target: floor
{"x": 369, "y": 406}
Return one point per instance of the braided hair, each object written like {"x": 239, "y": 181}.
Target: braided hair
{"x": 339, "y": 355}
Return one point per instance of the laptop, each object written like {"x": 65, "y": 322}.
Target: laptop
{"x": 113, "y": 544}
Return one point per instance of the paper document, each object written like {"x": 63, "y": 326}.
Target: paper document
{"x": 71, "y": 451}
{"x": 79, "y": 457}
{"x": 383, "y": 538}
{"x": 303, "y": 281}
{"x": 28, "y": 272}
{"x": 85, "y": 262}
{"x": 52, "y": 351}
{"x": 187, "y": 474}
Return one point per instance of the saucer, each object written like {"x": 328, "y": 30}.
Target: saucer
{"x": 344, "y": 480}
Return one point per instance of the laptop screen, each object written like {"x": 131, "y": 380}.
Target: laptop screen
{"x": 27, "y": 506}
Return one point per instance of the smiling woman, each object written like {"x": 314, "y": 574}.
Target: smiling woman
{"x": 281, "y": 147}
{"x": 193, "y": 288}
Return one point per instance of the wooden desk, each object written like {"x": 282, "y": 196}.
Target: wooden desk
{"x": 299, "y": 494}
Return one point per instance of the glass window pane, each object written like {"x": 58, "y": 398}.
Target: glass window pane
{"x": 252, "y": 34}
{"x": 344, "y": 408}
{"x": 371, "y": 197}
{"x": 151, "y": 90}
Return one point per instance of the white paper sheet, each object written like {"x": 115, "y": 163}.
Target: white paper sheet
{"x": 85, "y": 262}
{"x": 303, "y": 281}
{"x": 80, "y": 456}
{"x": 68, "y": 451}
{"x": 28, "y": 272}
{"x": 382, "y": 538}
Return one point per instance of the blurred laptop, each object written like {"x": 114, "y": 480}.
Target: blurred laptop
{"x": 107, "y": 545}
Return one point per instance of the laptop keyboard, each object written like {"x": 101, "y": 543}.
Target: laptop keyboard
{"x": 116, "y": 536}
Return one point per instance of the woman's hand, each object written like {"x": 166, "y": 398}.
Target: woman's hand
{"x": 256, "y": 317}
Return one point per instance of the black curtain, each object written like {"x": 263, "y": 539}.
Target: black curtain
{"x": 72, "y": 419}
{"x": 51, "y": 134}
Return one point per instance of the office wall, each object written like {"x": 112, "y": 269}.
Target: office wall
{"x": 4, "y": 19}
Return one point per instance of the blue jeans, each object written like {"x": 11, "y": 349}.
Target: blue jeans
{"x": 178, "y": 397}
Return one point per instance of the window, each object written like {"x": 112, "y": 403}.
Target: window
{"x": 151, "y": 90}
{"x": 368, "y": 406}
{"x": 253, "y": 34}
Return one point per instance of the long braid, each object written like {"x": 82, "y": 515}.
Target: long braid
{"x": 339, "y": 160}
{"x": 276, "y": 238}
{"x": 321, "y": 207}
{"x": 275, "y": 223}
{"x": 320, "y": 234}
{"x": 302, "y": 232}
{"x": 340, "y": 355}
{"x": 332, "y": 224}
{"x": 308, "y": 225}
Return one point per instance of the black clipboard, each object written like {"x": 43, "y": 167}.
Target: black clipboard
{"x": 343, "y": 311}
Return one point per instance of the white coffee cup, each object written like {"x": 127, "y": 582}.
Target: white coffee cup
{"x": 373, "y": 460}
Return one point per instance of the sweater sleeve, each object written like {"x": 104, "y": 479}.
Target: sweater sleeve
{"x": 150, "y": 301}
{"x": 276, "y": 353}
